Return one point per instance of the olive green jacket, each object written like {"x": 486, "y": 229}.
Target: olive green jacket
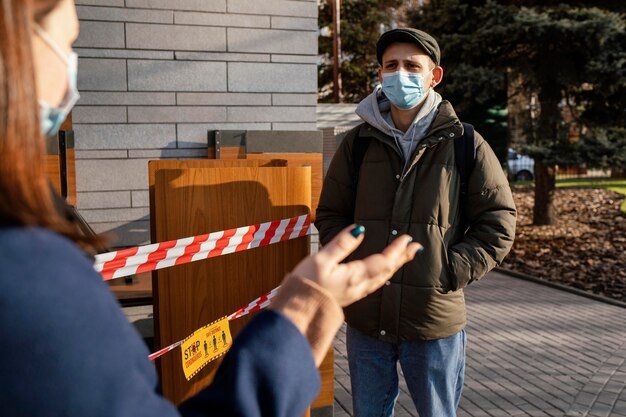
{"x": 424, "y": 299}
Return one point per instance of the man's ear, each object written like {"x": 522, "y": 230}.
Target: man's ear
{"x": 437, "y": 76}
{"x": 380, "y": 75}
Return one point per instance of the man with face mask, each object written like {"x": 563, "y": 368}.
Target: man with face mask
{"x": 407, "y": 181}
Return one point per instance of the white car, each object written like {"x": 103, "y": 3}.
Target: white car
{"x": 520, "y": 167}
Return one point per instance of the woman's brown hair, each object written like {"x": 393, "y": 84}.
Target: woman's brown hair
{"x": 25, "y": 193}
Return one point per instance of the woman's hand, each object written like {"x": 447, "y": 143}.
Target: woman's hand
{"x": 354, "y": 280}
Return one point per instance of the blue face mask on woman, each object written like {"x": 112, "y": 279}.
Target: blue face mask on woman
{"x": 405, "y": 90}
{"x": 52, "y": 118}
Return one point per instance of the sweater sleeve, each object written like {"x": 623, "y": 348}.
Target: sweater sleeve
{"x": 68, "y": 350}
{"x": 313, "y": 311}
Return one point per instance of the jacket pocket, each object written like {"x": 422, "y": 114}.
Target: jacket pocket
{"x": 446, "y": 276}
{"x": 460, "y": 270}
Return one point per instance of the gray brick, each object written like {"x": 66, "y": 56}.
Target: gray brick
{"x": 126, "y": 99}
{"x": 92, "y": 137}
{"x": 123, "y": 53}
{"x": 223, "y": 99}
{"x": 192, "y": 153}
{"x": 274, "y": 7}
{"x": 226, "y": 20}
{"x": 193, "y": 5}
{"x": 615, "y": 386}
{"x": 294, "y": 126}
{"x": 218, "y": 56}
{"x": 195, "y": 135}
{"x": 344, "y": 399}
{"x": 275, "y": 78}
{"x": 175, "y": 37}
{"x": 98, "y": 114}
{"x": 620, "y": 406}
{"x": 593, "y": 388}
{"x": 296, "y": 59}
{"x": 101, "y": 2}
{"x": 176, "y": 76}
{"x": 600, "y": 410}
{"x": 606, "y": 397}
{"x": 100, "y": 35}
{"x": 115, "y": 14}
{"x": 272, "y": 41}
{"x": 297, "y": 23}
{"x": 115, "y": 215}
{"x": 186, "y": 114}
{"x": 140, "y": 198}
{"x": 294, "y": 99}
{"x": 111, "y": 175}
{"x": 101, "y": 74}
{"x": 578, "y": 409}
{"x": 281, "y": 142}
{"x": 106, "y": 154}
{"x": 616, "y": 361}
{"x": 102, "y": 200}
{"x": 271, "y": 114}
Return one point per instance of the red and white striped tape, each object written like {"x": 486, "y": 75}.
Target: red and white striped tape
{"x": 163, "y": 351}
{"x": 131, "y": 261}
{"x": 258, "y": 304}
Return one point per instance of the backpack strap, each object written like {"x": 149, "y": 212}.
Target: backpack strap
{"x": 465, "y": 158}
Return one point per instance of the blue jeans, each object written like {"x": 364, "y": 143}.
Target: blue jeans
{"x": 433, "y": 369}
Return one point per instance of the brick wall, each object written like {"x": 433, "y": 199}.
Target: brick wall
{"x": 155, "y": 75}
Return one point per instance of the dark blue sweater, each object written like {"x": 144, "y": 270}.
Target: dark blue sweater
{"x": 67, "y": 350}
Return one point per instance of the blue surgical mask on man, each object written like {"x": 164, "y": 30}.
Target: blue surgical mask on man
{"x": 52, "y": 118}
{"x": 405, "y": 90}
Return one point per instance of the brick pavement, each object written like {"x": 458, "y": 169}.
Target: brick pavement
{"x": 532, "y": 351}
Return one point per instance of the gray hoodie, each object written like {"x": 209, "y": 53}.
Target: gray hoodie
{"x": 375, "y": 110}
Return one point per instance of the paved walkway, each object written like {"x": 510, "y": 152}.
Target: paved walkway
{"x": 532, "y": 351}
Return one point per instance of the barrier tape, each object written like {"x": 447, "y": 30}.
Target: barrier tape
{"x": 255, "y": 305}
{"x": 147, "y": 258}
{"x": 258, "y": 304}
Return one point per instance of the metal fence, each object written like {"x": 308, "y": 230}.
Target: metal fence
{"x": 522, "y": 168}
{"x": 525, "y": 172}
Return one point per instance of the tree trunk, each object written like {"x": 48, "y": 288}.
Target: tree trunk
{"x": 545, "y": 184}
{"x": 545, "y": 171}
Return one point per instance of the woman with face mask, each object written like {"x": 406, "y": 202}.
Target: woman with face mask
{"x": 67, "y": 349}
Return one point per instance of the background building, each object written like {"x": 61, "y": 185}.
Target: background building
{"x": 156, "y": 75}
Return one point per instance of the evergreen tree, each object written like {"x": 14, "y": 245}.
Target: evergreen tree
{"x": 565, "y": 55}
{"x": 361, "y": 25}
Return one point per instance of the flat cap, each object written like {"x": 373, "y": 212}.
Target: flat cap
{"x": 408, "y": 35}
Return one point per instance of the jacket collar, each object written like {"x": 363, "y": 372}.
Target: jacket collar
{"x": 446, "y": 125}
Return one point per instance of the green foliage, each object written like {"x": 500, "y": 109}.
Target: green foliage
{"x": 476, "y": 88}
{"x": 606, "y": 147}
{"x": 564, "y": 53}
{"x": 361, "y": 21}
